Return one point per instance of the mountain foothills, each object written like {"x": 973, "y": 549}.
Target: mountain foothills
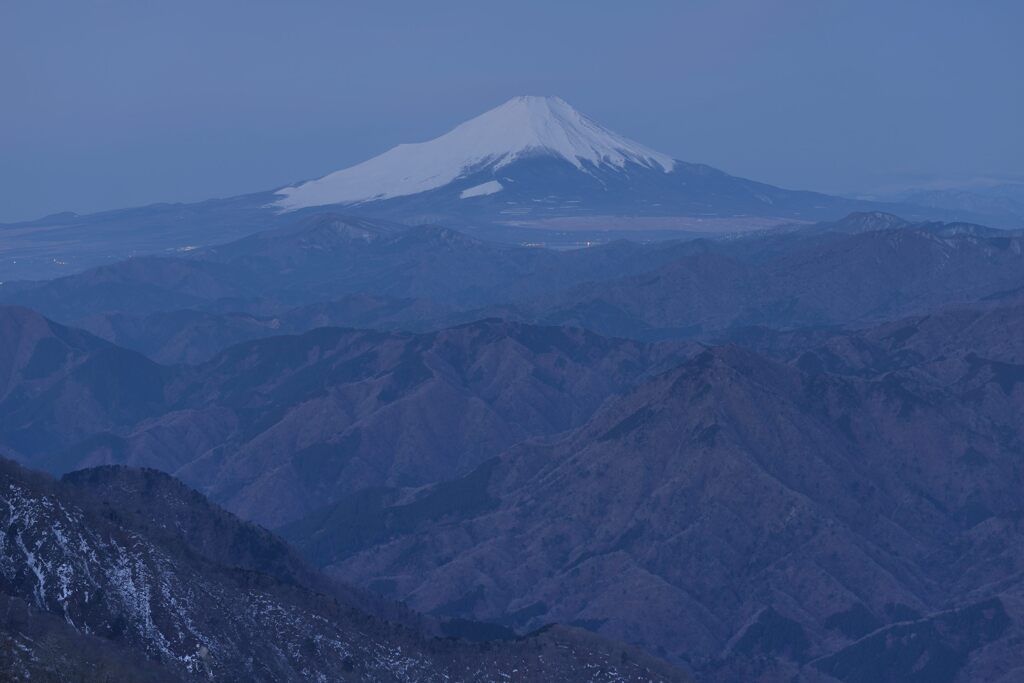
{"x": 791, "y": 454}
{"x": 530, "y": 170}
{"x": 126, "y": 575}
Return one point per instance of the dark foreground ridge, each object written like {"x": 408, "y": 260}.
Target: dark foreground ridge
{"x": 118, "y": 574}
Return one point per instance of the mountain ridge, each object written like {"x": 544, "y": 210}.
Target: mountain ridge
{"x": 715, "y": 488}
{"x": 97, "y": 587}
{"x": 271, "y": 427}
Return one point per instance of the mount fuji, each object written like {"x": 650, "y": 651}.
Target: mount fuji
{"x": 533, "y": 169}
{"x": 538, "y": 162}
{"x": 523, "y": 128}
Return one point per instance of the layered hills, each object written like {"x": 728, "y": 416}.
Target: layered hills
{"x": 779, "y": 518}
{"x": 274, "y": 427}
{"x": 791, "y": 454}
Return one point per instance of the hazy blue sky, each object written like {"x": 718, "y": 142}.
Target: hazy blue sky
{"x": 110, "y": 104}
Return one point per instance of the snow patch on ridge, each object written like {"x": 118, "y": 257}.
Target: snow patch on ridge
{"x": 521, "y": 127}
{"x": 490, "y": 187}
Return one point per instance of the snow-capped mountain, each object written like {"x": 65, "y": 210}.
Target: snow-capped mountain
{"x": 534, "y": 159}
{"x": 521, "y": 128}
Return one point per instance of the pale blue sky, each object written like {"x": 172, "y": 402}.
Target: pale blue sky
{"x": 108, "y": 104}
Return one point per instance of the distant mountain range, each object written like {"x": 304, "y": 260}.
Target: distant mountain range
{"x": 335, "y": 270}
{"x": 531, "y": 170}
{"x": 1000, "y": 202}
{"x": 326, "y": 257}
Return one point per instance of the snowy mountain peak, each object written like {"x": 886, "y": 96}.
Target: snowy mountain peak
{"x": 523, "y": 126}
{"x": 549, "y": 124}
